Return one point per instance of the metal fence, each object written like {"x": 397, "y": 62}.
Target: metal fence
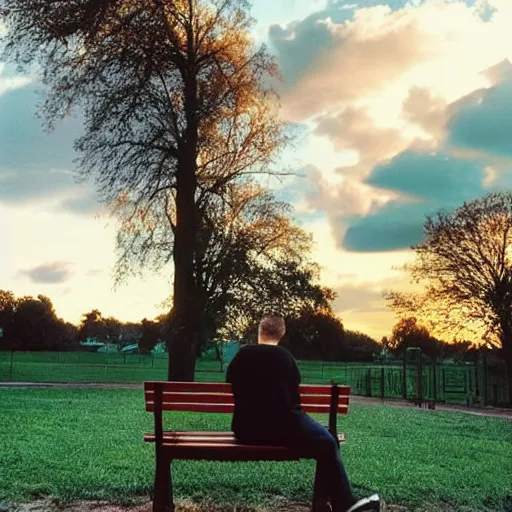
{"x": 476, "y": 383}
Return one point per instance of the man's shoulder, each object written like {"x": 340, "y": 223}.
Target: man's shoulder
{"x": 266, "y": 351}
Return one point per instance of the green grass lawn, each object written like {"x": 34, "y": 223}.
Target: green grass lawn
{"x": 87, "y": 444}
{"x": 100, "y": 367}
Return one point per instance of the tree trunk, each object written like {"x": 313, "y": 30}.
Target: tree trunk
{"x": 184, "y": 327}
{"x": 183, "y": 336}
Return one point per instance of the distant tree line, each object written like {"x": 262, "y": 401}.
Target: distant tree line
{"x": 313, "y": 333}
{"x": 408, "y": 332}
{"x": 31, "y": 324}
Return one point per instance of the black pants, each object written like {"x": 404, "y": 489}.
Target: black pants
{"x": 305, "y": 432}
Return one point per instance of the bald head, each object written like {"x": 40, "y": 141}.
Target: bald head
{"x": 271, "y": 330}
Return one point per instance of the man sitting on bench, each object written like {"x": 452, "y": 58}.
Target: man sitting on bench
{"x": 265, "y": 380}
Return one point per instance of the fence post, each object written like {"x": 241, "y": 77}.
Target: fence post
{"x": 466, "y": 386}
{"x": 382, "y": 382}
{"x": 152, "y": 360}
{"x": 322, "y": 376}
{"x": 434, "y": 378}
{"x": 478, "y": 388}
{"x": 404, "y": 379}
{"x": 485, "y": 390}
{"x": 124, "y": 358}
{"x": 420, "y": 382}
{"x": 369, "y": 382}
{"x": 10, "y": 369}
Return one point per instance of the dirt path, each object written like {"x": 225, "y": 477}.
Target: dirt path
{"x": 183, "y": 506}
{"x": 494, "y": 412}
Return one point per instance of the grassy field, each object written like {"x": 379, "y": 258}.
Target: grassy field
{"x": 87, "y": 444}
{"x": 98, "y": 367}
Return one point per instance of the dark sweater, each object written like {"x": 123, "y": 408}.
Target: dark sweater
{"x": 265, "y": 381}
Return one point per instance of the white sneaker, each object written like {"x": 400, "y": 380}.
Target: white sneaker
{"x": 370, "y": 503}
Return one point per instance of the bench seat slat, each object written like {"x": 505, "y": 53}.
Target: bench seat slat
{"x": 229, "y": 408}
{"x": 225, "y": 398}
{"x": 229, "y": 451}
{"x": 199, "y": 438}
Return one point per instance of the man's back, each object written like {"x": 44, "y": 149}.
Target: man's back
{"x": 265, "y": 382}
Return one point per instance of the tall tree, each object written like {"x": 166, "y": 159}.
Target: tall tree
{"x": 315, "y": 334}
{"x": 251, "y": 258}
{"x": 32, "y": 324}
{"x": 112, "y": 329}
{"x": 176, "y": 105}
{"x": 35, "y": 324}
{"x": 465, "y": 264}
{"x": 409, "y": 333}
{"x": 93, "y": 326}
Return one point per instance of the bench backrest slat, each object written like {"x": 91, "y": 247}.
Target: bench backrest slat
{"x": 218, "y": 397}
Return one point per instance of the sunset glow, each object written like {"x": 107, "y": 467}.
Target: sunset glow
{"x": 403, "y": 108}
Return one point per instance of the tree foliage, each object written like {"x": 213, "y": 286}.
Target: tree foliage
{"x": 409, "y": 333}
{"x": 30, "y": 323}
{"x": 251, "y": 258}
{"x": 176, "y": 105}
{"x": 151, "y": 332}
{"x": 360, "y": 347}
{"x": 92, "y": 326}
{"x": 465, "y": 265}
{"x": 315, "y": 334}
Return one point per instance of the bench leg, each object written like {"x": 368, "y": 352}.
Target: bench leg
{"x": 162, "y": 499}
{"x": 320, "y": 497}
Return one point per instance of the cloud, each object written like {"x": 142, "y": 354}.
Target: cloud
{"x": 361, "y": 298}
{"x": 433, "y": 176}
{"x": 485, "y": 121}
{"x": 397, "y": 225}
{"x": 36, "y": 166}
{"x": 349, "y": 197}
{"x": 338, "y": 56}
{"x": 424, "y": 109}
{"x": 23, "y": 143}
{"x": 429, "y": 127}
{"x": 355, "y": 129}
{"x": 94, "y": 272}
{"x": 330, "y": 59}
{"x": 83, "y": 202}
{"x": 427, "y": 183}
{"x": 48, "y": 273}
{"x": 10, "y": 81}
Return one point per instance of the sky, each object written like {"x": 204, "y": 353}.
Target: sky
{"x": 404, "y": 109}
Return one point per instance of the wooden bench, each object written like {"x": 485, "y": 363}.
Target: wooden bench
{"x": 222, "y": 446}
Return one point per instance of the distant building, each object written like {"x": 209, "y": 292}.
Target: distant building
{"x": 160, "y": 349}
{"x": 92, "y": 345}
{"x": 131, "y": 349}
